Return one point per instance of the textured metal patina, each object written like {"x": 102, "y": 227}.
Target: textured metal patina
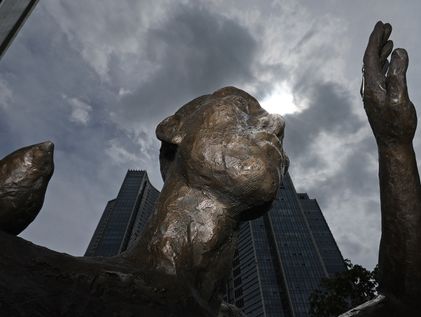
{"x": 222, "y": 162}
{"x": 24, "y": 176}
{"x": 393, "y": 120}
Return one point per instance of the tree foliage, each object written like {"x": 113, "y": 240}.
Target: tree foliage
{"x": 345, "y": 290}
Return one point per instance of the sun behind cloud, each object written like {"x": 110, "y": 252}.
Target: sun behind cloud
{"x": 280, "y": 100}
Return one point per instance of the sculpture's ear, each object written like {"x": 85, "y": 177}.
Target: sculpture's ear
{"x": 170, "y": 130}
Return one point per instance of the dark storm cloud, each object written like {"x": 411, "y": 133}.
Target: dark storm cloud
{"x": 58, "y": 95}
{"x": 97, "y": 79}
{"x": 41, "y": 68}
{"x": 301, "y": 44}
{"x": 196, "y": 52}
{"x": 353, "y": 247}
{"x": 355, "y": 177}
{"x": 44, "y": 74}
{"x": 193, "y": 51}
{"x": 329, "y": 111}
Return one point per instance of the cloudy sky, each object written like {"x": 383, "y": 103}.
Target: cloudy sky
{"x": 95, "y": 77}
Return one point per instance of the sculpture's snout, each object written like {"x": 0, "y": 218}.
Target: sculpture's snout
{"x": 273, "y": 124}
{"x": 47, "y": 146}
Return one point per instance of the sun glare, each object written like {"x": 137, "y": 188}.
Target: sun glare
{"x": 281, "y": 101}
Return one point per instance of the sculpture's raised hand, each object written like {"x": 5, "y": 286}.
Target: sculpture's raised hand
{"x": 391, "y": 114}
{"x": 393, "y": 119}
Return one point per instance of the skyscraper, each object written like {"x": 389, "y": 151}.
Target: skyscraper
{"x": 325, "y": 242}
{"x": 124, "y": 218}
{"x": 13, "y": 14}
{"x": 282, "y": 256}
{"x": 280, "y": 259}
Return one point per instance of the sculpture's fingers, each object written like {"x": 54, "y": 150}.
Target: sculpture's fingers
{"x": 386, "y": 50}
{"x": 385, "y": 67}
{"x": 375, "y": 57}
{"x": 397, "y": 90}
{"x": 376, "y": 42}
{"x": 387, "y": 31}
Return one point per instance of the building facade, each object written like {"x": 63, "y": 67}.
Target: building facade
{"x": 125, "y": 217}
{"x": 13, "y": 14}
{"x": 282, "y": 256}
{"x": 325, "y": 242}
{"x": 280, "y": 259}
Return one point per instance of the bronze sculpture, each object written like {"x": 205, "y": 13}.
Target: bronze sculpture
{"x": 222, "y": 161}
{"x": 227, "y": 171}
{"x": 393, "y": 120}
{"x": 24, "y": 176}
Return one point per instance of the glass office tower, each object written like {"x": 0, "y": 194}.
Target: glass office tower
{"x": 13, "y": 14}
{"x": 280, "y": 259}
{"x": 282, "y": 256}
{"x": 325, "y": 242}
{"x": 124, "y": 218}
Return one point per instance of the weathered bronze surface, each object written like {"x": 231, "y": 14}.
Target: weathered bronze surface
{"x": 222, "y": 162}
{"x": 393, "y": 120}
{"x": 24, "y": 176}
